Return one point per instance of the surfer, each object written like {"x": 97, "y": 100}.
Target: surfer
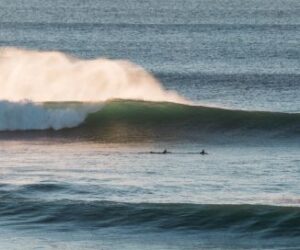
{"x": 163, "y": 152}
{"x": 203, "y": 152}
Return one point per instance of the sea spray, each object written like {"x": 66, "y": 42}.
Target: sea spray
{"x": 54, "y": 76}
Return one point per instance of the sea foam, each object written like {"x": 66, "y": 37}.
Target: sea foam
{"x": 33, "y": 116}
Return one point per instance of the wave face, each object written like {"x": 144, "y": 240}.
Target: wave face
{"x": 170, "y": 121}
{"x": 261, "y": 219}
{"x": 121, "y": 116}
{"x": 143, "y": 113}
{"x": 55, "y": 76}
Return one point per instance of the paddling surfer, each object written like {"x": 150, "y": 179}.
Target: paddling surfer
{"x": 165, "y": 151}
{"x": 203, "y": 152}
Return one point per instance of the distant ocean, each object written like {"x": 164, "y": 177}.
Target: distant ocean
{"x": 92, "y": 93}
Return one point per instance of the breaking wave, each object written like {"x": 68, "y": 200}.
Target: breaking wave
{"x": 130, "y": 115}
{"x": 51, "y": 90}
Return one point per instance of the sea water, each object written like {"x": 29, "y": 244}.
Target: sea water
{"x": 81, "y": 171}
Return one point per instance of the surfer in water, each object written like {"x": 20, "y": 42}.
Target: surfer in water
{"x": 203, "y": 152}
{"x": 163, "y": 152}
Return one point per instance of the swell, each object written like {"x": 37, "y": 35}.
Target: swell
{"x": 264, "y": 221}
{"x": 191, "y": 27}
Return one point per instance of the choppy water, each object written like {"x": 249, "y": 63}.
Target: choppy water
{"x": 80, "y": 175}
{"x": 97, "y": 192}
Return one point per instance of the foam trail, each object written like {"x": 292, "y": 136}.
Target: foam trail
{"x": 55, "y": 76}
{"x": 33, "y": 116}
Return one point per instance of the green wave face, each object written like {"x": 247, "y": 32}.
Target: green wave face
{"x": 144, "y": 113}
{"x": 128, "y": 119}
{"x": 181, "y": 117}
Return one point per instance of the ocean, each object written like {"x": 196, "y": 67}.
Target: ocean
{"x": 93, "y": 92}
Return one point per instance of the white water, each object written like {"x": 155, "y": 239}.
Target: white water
{"x": 32, "y": 116}
{"x": 54, "y": 76}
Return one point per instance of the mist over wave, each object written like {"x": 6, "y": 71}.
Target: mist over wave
{"x": 54, "y": 76}
{"x": 78, "y": 89}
